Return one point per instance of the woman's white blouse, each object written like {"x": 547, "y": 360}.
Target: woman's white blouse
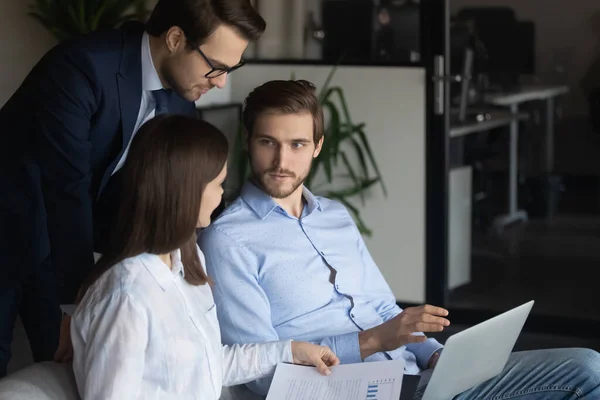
{"x": 143, "y": 332}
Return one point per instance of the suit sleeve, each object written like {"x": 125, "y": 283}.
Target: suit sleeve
{"x": 62, "y": 131}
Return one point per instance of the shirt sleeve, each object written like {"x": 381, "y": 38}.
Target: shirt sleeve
{"x": 243, "y": 363}
{"x": 379, "y": 294}
{"x": 109, "y": 352}
{"x": 244, "y": 310}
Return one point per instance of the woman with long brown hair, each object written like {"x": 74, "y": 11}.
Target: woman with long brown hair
{"x": 146, "y": 325}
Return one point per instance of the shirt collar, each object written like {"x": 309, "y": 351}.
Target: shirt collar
{"x": 262, "y": 204}
{"x": 150, "y": 78}
{"x": 164, "y": 276}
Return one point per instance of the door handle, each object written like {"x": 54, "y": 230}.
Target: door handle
{"x": 439, "y": 83}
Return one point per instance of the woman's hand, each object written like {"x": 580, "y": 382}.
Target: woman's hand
{"x": 311, "y": 354}
{"x": 64, "y": 353}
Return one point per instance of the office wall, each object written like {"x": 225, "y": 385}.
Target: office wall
{"x": 23, "y": 41}
{"x": 391, "y": 102}
{"x": 284, "y": 36}
{"x": 565, "y": 37}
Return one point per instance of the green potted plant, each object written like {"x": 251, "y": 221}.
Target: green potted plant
{"x": 343, "y": 139}
{"x": 68, "y": 18}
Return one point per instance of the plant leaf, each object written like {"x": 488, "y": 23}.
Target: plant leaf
{"x": 360, "y": 224}
{"x": 325, "y": 87}
{"x": 81, "y": 16}
{"x": 342, "y": 99}
{"x": 365, "y": 142}
{"x": 355, "y": 179}
{"x": 358, "y": 149}
{"x": 334, "y": 129}
{"x": 356, "y": 189}
{"x": 75, "y": 19}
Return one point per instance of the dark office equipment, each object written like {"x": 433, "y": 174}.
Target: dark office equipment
{"x": 461, "y": 38}
{"x": 465, "y": 83}
{"x": 509, "y": 44}
{"x": 465, "y": 55}
{"x": 397, "y": 32}
{"x": 525, "y": 47}
{"x": 371, "y": 31}
{"x": 348, "y": 30}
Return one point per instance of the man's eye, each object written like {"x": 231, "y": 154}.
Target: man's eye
{"x": 297, "y": 145}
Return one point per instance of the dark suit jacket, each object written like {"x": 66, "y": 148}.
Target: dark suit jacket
{"x": 61, "y": 135}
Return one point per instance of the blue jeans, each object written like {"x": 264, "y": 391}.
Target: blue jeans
{"x": 556, "y": 374}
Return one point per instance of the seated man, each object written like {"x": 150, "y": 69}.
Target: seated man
{"x": 288, "y": 264}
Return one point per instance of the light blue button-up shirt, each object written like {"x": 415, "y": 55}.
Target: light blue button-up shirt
{"x": 309, "y": 278}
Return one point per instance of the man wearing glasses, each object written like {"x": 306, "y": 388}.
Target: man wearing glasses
{"x": 66, "y": 133}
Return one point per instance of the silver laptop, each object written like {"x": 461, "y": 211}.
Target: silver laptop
{"x": 476, "y": 354}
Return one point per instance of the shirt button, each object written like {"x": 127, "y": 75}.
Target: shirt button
{"x": 352, "y": 315}
{"x": 337, "y": 286}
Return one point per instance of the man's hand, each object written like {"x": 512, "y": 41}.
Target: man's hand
{"x": 64, "y": 353}
{"x": 311, "y": 354}
{"x": 399, "y": 330}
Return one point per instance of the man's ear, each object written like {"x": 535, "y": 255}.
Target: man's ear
{"x": 318, "y": 147}
{"x": 175, "y": 39}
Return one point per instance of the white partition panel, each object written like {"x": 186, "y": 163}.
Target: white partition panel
{"x": 391, "y": 102}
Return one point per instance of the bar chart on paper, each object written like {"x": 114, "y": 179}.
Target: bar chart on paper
{"x": 380, "y": 390}
{"x": 376, "y": 380}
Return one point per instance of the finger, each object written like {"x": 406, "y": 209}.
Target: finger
{"x": 424, "y": 318}
{"x": 61, "y": 351}
{"x": 427, "y": 309}
{"x": 58, "y": 355}
{"x": 425, "y": 327}
{"x": 322, "y": 367}
{"x": 416, "y": 338}
{"x": 330, "y": 358}
{"x": 430, "y": 319}
{"x": 433, "y": 310}
{"x": 68, "y": 355}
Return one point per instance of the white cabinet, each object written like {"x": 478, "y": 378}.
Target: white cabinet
{"x": 459, "y": 227}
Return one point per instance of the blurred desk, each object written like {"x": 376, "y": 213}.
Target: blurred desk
{"x": 481, "y": 122}
{"x": 513, "y": 99}
{"x": 533, "y": 93}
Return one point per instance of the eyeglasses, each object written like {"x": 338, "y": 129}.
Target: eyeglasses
{"x": 218, "y": 71}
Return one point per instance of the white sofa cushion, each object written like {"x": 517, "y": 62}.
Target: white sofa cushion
{"x": 53, "y": 381}
{"x": 41, "y": 381}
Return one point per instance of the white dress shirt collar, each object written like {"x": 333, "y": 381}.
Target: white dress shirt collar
{"x": 150, "y": 78}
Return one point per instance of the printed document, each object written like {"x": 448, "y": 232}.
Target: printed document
{"x": 381, "y": 380}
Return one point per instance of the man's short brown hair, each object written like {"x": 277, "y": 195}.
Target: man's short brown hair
{"x": 198, "y": 19}
{"x": 284, "y": 97}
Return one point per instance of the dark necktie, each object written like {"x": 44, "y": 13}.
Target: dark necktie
{"x": 162, "y": 97}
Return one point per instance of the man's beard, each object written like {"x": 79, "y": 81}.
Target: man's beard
{"x": 270, "y": 187}
{"x": 185, "y": 93}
